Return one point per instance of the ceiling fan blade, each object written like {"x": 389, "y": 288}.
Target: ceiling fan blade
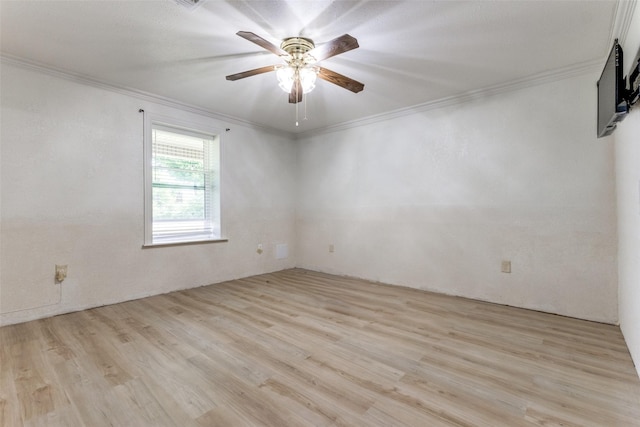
{"x": 250, "y": 73}
{"x": 295, "y": 95}
{"x": 335, "y": 47}
{"x": 262, "y": 42}
{"x": 340, "y": 80}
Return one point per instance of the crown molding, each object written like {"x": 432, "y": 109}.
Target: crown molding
{"x": 534, "y": 80}
{"x": 135, "y": 93}
{"x": 621, "y": 21}
{"x": 511, "y": 86}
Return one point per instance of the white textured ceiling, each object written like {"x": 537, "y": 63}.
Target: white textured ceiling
{"x": 411, "y": 52}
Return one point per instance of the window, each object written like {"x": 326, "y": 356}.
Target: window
{"x": 182, "y": 185}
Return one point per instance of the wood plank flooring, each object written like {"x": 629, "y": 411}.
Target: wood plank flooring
{"x": 299, "y": 348}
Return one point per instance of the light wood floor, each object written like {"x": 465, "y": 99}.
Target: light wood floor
{"x": 298, "y": 348}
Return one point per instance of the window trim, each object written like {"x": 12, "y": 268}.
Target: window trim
{"x": 151, "y": 119}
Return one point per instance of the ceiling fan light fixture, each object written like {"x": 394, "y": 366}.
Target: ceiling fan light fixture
{"x": 287, "y": 75}
{"x": 307, "y": 78}
{"x": 298, "y": 72}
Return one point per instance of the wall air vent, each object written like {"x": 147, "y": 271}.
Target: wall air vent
{"x": 189, "y": 4}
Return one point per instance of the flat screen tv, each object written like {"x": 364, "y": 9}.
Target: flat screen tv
{"x": 612, "y": 102}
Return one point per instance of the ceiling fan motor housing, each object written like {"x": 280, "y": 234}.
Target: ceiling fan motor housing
{"x": 297, "y": 48}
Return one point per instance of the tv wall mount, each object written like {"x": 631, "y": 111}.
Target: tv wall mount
{"x": 634, "y": 83}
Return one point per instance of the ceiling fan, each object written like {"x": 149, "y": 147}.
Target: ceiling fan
{"x": 297, "y": 74}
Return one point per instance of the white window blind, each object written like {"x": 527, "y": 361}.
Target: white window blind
{"x": 184, "y": 181}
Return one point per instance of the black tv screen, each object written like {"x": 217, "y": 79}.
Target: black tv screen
{"x": 612, "y": 103}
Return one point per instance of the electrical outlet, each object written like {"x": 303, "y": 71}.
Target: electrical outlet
{"x": 259, "y": 250}
{"x": 61, "y": 273}
{"x": 506, "y": 267}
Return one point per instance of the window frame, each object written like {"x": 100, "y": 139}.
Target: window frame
{"x": 189, "y": 127}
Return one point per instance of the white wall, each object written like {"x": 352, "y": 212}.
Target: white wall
{"x": 72, "y": 193}
{"x": 435, "y": 200}
{"x": 627, "y": 143}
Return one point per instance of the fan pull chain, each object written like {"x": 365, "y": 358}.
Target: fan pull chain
{"x": 305, "y": 107}
{"x": 295, "y": 82}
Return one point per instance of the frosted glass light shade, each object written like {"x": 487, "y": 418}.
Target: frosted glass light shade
{"x": 287, "y": 76}
{"x": 308, "y": 79}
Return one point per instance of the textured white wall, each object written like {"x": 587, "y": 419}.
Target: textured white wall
{"x": 627, "y": 141}
{"x": 72, "y": 193}
{"x": 437, "y": 199}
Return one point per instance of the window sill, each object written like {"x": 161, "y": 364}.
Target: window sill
{"x": 192, "y": 242}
